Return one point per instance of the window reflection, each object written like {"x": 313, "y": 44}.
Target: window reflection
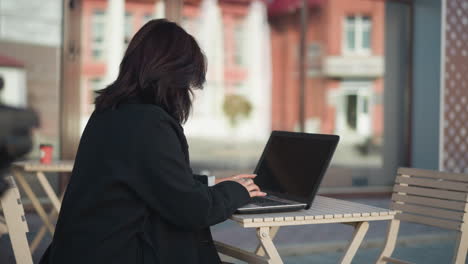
{"x": 252, "y": 82}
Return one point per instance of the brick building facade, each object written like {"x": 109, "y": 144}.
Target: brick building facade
{"x": 345, "y": 68}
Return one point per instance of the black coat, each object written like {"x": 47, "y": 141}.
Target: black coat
{"x": 132, "y": 197}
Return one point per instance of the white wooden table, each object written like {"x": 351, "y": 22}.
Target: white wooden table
{"x": 22, "y": 167}
{"x": 324, "y": 210}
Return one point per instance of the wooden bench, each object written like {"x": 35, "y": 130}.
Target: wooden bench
{"x": 430, "y": 198}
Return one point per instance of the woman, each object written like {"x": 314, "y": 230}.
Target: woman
{"x": 132, "y": 197}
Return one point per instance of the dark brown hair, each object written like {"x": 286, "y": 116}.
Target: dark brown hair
{"x": 161, "y": 66}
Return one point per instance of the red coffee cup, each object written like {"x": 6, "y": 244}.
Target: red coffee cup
{"x": 46, "y": 153}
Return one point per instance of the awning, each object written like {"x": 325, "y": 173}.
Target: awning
{"x": 277, "y": 7}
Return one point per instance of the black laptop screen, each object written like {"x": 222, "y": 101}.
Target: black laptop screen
{"x": 293, "y": 164}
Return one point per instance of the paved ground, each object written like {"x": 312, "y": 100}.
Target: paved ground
{"x": 316, "y": 243}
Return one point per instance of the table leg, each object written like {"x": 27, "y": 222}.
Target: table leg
{"x": 263, "y": 234}
{"x": 3, "y": 227}
{"x": 40, "y": 235}
{"x": 34, "y": 200}
{"x": 273, "y": 231}
{"x": 42, "y": 231}
{"x": 48, "y": 190}
{"x": 360, "y": 230}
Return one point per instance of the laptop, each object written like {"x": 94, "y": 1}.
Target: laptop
{"x": 290, "y": 171}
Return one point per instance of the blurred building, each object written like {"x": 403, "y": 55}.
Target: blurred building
{"x": 220, "y": 28}
{"x": 95, "y": 46}
{"x": 252, "y": 87}
{"x": 345, "y": 66}
{"x": 30, "y": 34}
{"x": 344, "y": 57}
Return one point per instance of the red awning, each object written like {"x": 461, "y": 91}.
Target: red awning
{"x": 6, "y": 61}
{"x": 276, "y": 7}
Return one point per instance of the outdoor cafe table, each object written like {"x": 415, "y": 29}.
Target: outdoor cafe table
{"x": 19, "y": 169}
{"x": 324, "y": 210}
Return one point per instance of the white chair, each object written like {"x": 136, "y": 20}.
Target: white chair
{"x": 430, "y": 198}
{"x": 15, "y": 223}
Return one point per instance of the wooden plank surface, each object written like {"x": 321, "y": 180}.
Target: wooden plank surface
{"x": 323, "y": 210}
{"x": 454, "y": 205}
{"x": 449, "y": 195}
{"x": 429, "y": 221}
{"x": 429, "y": 211}
{"x": 434, "y": 183}
{"x": 433, "y": 174}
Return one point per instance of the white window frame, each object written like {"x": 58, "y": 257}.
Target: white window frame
{"x": 359, "y": 27}
{"x": 101, "y": 46}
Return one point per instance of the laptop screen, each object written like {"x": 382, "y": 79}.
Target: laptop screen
{"x": 293, "y": 164}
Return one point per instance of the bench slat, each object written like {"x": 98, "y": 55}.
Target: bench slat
{"x": 428, "y": 221}
{"x": 449, "y": 195}
{"x": 429, "y": 212}
{"x": 433, "y": 183}
{"x": 433, "y": 174}
{"x": 454, "y": 205}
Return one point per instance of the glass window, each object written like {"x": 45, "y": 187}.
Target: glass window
{"x": 187, "y": 23}
{"x": 314, "y": 53}
{"x": 98, "y": 29}
{"x": 365, "y": 104}
{"x": 146, "y": 18}
{"x": 252, "y": 88}
{"x": 128, "y": 27}
{"x": 239, "y": 39}
{"x": 95, "y": 84}
{"x": 366, "y": 33}
{"x": 31, "y": 67}
{"x": 357, "y": 34}
{"x": 350, "y": 29}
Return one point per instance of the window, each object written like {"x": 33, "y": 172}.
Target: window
{"x": 146, "y": 18}
{"x": 314, "y": 63}
{"x": 128, "y": 27}
{"x": 357, "y": 35}
{"x": 95, "y": 84}
{"x": 98, "y": 30}
{"x": 239, "y": 40}
{"x": 191, "y": 24}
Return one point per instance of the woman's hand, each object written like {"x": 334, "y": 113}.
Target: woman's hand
{"x": 245, "y": 180}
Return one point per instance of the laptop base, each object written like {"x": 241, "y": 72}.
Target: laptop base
{"x": 266, "y": 210}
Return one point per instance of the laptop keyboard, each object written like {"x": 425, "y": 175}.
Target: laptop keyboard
{"x": 262, "y": 201}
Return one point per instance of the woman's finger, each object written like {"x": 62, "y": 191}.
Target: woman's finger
{"x": 247, "y": 181}
{"x": 253, "y": 187}
{"x": 244, "y": 176}
{"x": 244, "y": 182}
{"x": 257, "y": 193}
